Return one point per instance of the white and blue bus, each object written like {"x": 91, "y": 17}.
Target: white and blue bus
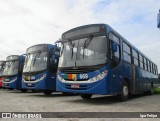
{"x": 12, "y": 74}
{"x": 95, "y": 59}
{"x": 40, "y": 68}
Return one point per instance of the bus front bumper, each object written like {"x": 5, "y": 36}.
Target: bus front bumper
{"x": 40, "y": 85}
{"x": 99, "y": 87}
{"x": 9, "y": 85}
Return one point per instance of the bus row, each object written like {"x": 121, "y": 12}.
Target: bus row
{"x": 92, "y": 59}
{"x": 36, "y": 70}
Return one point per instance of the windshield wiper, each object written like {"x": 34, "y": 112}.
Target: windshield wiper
{"x": 27, "y": 59}
{"x": 10, "y": 63}
{"x": 72, "y": 47}
{"x": 88, "y": 41}
{"x": 86, "y": 44}
{"x": 36, "y": 57}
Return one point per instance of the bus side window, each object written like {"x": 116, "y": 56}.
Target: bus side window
{"x": 115, "y": 54}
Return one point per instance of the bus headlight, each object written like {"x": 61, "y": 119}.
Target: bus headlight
{"x": 59, "y": 78}
{"x": 99, "y": 76}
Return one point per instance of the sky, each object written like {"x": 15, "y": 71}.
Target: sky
{"x": 24, "y": 23}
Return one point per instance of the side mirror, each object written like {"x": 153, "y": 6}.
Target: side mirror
{"x": 114, "y": 47}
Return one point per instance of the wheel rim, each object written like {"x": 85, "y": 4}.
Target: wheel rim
{"x": 125, "y": 90}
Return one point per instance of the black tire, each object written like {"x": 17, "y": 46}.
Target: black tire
{"x": 47, "y": 92}
{"x": 23, "y": 90}
{"x": 86, "y": 96}
{"x": 10, "y": 88}
{"x": 34, "y": 91}
{"x": 125, "y": 92}
{"x": 68, "y": 94}
{"x": 65, "y": 93}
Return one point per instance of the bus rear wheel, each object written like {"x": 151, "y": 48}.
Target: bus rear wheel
{"x": 86, "y": 96}
{"x": 47, "y": 92}
{"x": 125, "y": 92}
{"x": 151, "y": 91}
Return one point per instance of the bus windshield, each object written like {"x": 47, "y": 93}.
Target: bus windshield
{"x": 11, "y": 68}
{"x": 35, "y": 62}
{"x": 1, "y": 69}
{"x": 84, "y": 52}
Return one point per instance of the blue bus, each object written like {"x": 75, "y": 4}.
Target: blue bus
{"x": 40, "y": 68}
{"x": 95, "y": 59}
{"x": 12, "y": 74}
{"x": 2, "y": 64}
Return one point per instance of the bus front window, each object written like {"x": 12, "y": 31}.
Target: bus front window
{"x": 11, "y": 68}
{"x": 35, "y": 62}
{"x": 78, "y": 54}
{"x": 1, "y": 70}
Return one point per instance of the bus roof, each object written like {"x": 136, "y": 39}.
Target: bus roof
{"x": 12, "y": 57}
{"x": 38, "y": 47}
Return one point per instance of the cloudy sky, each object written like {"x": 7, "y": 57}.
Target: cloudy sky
{"x": 24, "y": 23}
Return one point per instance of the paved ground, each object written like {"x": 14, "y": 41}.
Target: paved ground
{"x": 15, "y": 101}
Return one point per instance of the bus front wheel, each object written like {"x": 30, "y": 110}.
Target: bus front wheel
{"x": 47, "y": 92}
{"x": 10, "y": 88}
{"x": 124, "y": 92}
{"x": 86, "y": 96}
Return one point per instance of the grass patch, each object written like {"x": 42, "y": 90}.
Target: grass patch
{"x": 157, "y": 90}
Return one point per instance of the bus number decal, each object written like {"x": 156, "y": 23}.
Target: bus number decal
{"x": 83, "y": 76}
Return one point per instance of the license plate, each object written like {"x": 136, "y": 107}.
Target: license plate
{"x": 6, "y": 80}
{"x": 6, "y": 84}
{"x": 75, "y": 86}
{"x": 33, "y": 77}
{"x": 29, "y": 84}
